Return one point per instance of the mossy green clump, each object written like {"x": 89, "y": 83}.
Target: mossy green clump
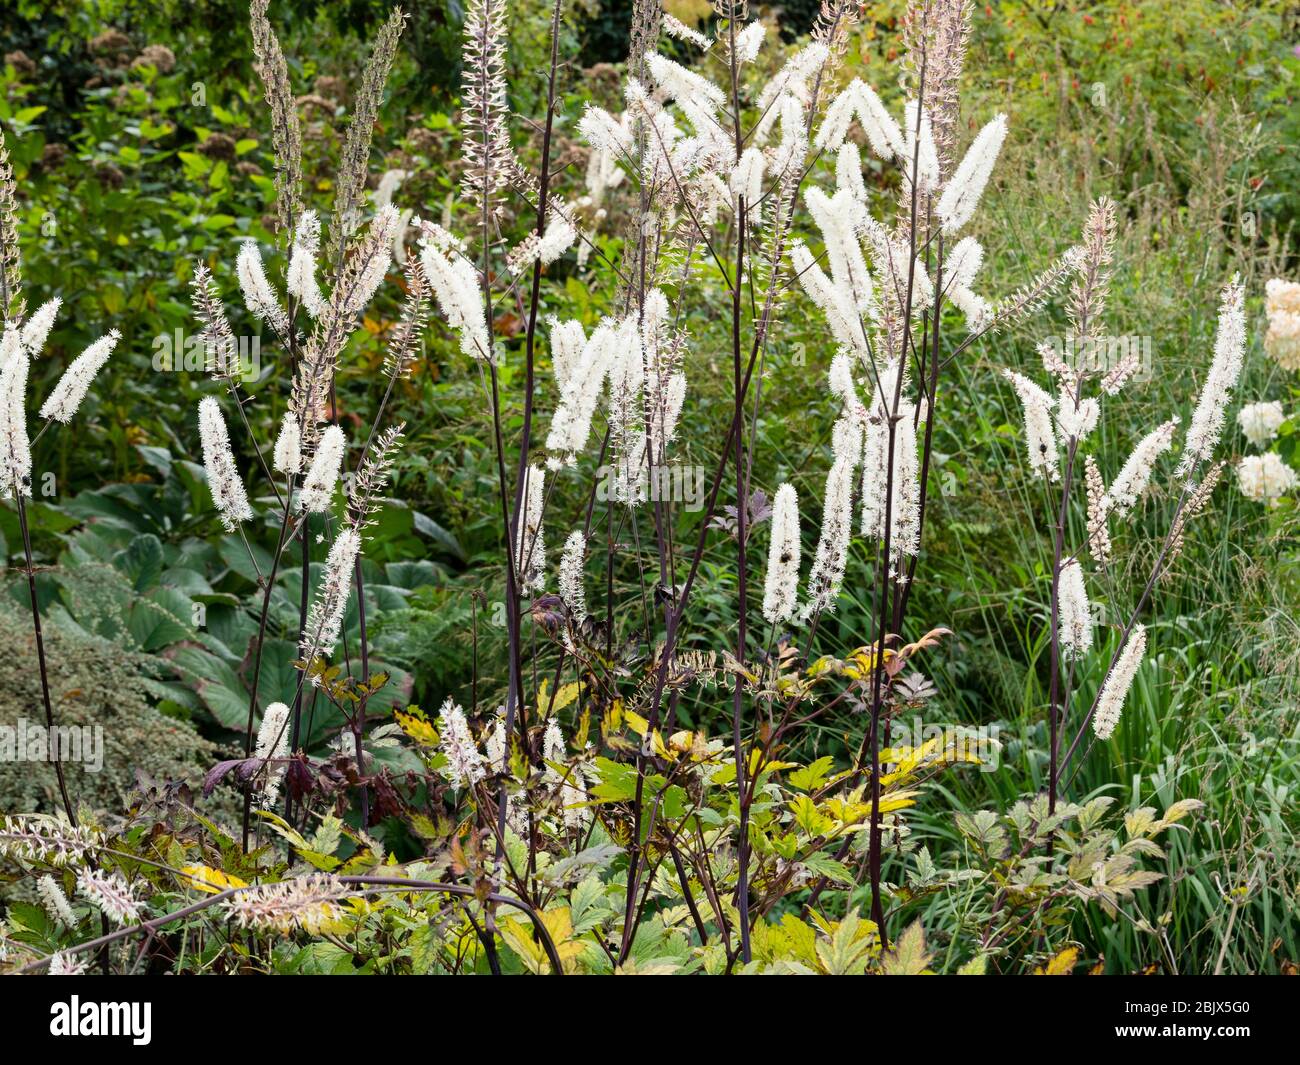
{"x": 92, "y": 682}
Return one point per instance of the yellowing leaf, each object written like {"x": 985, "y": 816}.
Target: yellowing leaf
{"x": 519, "y": 936}
{"x": 908, "y": 956}
{"x": 417, "y": 727}
{"x": 807, "y": 816}
{"x": 810, "y": 777}
{"x": 898, "y": 800}
{"x": 756, "y": 757}
{"x": 565, "y": 695}
{"x": 1061, "y": 964}
{"x": 213, "y": 881}
{"x": 862, "y": 662}
{"x": 682, "y": 741}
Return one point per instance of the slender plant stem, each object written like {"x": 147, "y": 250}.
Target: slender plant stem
{"x": 40, "y": 652}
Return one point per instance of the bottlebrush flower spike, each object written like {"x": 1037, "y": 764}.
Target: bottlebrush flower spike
{"x": 455, "y": 284}
{"x": 37, "y": 328}
{"x": 1135, "y": 474}
{"x": 1115, "y": 689}
{"x": 961, "y": 195}
{"x": 15, "y": 445}
{"x": 834, "y": 128}
{"x": 301, "y": 279}
{"x": 676, "y": 28}
{"x": 1075, "y": 613}
{"x": 488, "y": 157}
{"x": 552, "y": 750}
{"x": 630, "y": 478}
{"x": 978, "y": 310}
{"x": 1098, "y": 509}
{"x": 224, "y": 482}
{"x": 326, "y": 618}
{"x": 905, "y": 511}
{"x": 323, "y": 473}
{"x": 905, "y": 502}
{"x": 571, "y": 569}
{"x": 835, "y": 216}
{"x": 259, "y": 297}
{"x": 1050, "y": 351}
{"x": 749, "y": 41}
{"x": 110, "y": 894}
{"x": 374, "y": 253}
{"x": 55, "y": 901}
{"x": 1199, "y": 498}
{"x": 789, "y": 155}
{"x": 919, "y": 152}
{"x": 558, "y": 239}
{"x": 68, "y": 394}
{"x": 1029, "y": 298}
{"x": 848, "y": 173}
{"x": 839, "y": 378}
{"x": 573, "y": 804}
{"x": 218, "y": 341}
{"x": 874, "y": 457}
{"x": 286, "y": 132}
{"x": 1077, "y": 420}
{"x": 962, "y": 263}
{"x": 1229, "y": 353}
{"x": 626, "y": 384}
{"x": 606, "y": 134}
{"x": 272, "y": 744}
{"x": 684, "y": 86}
{"x": 64, "y": 964}
{"x": 11, "y": 343}
{"x": 495, "y": 748}
{"x": 1118, "y": 375}
{"x": 1040, "y": 436}
{"x": 45, "y": 839}
{"x": 288, "y": 446}
{"x": 836, "y": 303}
{"x": 792, "y": 79}
{"x": 309, "y": 903}
{"x": 747, "y": 179}
{"x": 530, "y": 551}
{"x": 781, "y": 588}
{"x": 464, "y": 762}
{"x": 579, "y": 393}
{"x": 833, "y": 543}
{"x": 883, "y": 133}
{"x": 567, "y": 342}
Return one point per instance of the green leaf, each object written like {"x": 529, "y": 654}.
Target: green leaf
{"x": 592, "y": 860}
{"x": 216, "y": 683}
{"x": 322, "y": 959}
{"x": 617, "y": 782}
{"x": 141, "y": 561}
{"x": 825, "y": 865}
{"x": 160, "y": 619}
{"x": 235, "y": 555}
